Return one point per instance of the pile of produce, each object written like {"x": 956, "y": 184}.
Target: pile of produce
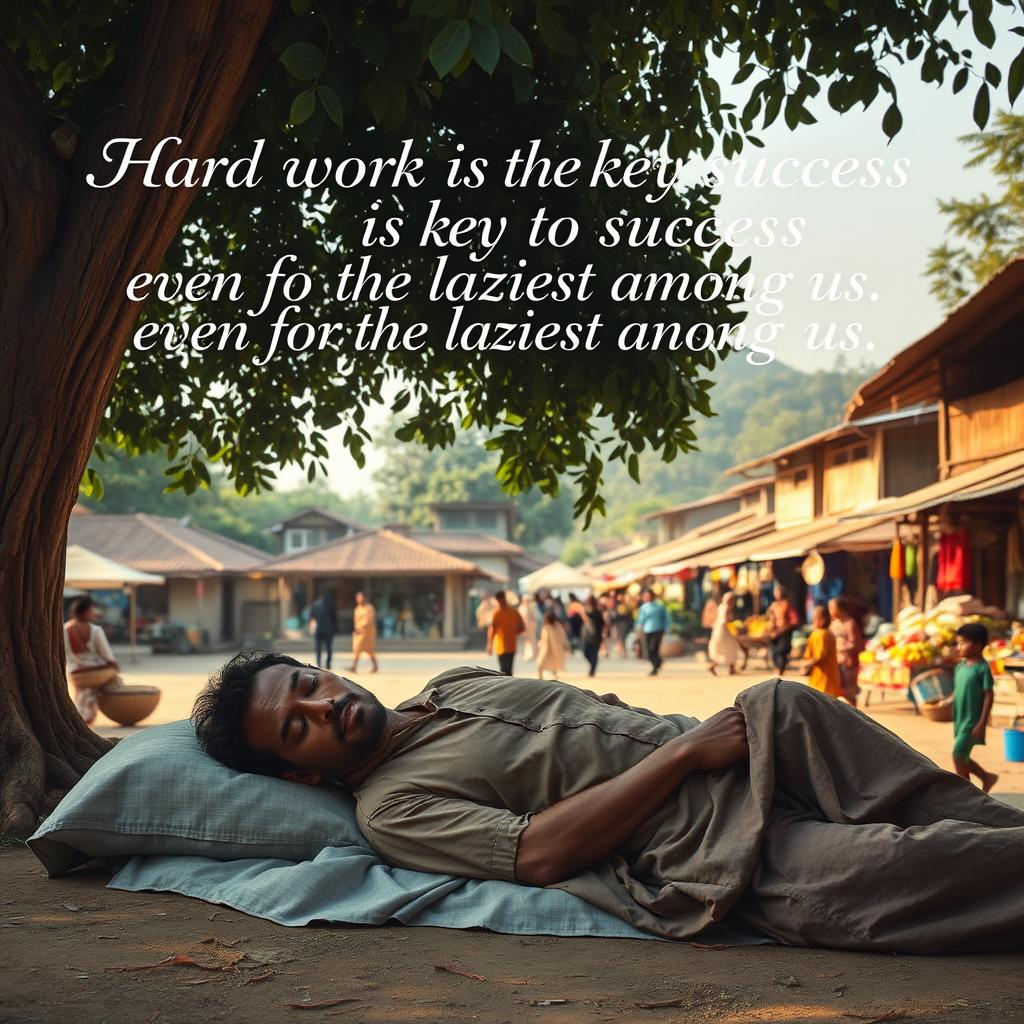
{"x": 920, "y": 639}
{"x": 1017, "y": 639}
{"x": 758, "y": 625}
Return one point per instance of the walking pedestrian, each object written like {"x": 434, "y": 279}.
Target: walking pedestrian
{"x": 325, "y": 618}
{"x": 723, "y": 648}
{"x": 849, "y": 634}
{"x": 652, "y": 621}
{"x": 528, "y": 611}
{"x": 364, "y": 632}
{"x": 503, "y": 633}
{"x": 592, "y": 633}
{"x": 574, "y": 616}
{"x": 553, "y": 646}
{"x": 783, "y": 619}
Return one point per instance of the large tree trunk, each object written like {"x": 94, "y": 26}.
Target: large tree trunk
{"x": 66, "y": 254}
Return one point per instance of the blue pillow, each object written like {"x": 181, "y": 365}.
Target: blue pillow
{"x": 157, "y": 793}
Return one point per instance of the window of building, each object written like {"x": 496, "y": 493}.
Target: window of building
{"x": 455, "y": 519}
{"x": 485, "y": 519}
{"x": 851, "y": 453}
{"x": 299, "y": 539}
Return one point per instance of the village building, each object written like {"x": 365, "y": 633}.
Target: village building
{"x": 482, "y": 532}
{"x": 420, "y": 593}
{"x": 209, "y": 598}
{"x": 817, "y": 482}
{"x": 676, "y": 521}
{"x": 929, "y": 457}
{"x": 682, "y": 558}
{"x": 965, "y": 524}
{"x": 309, "y": 528}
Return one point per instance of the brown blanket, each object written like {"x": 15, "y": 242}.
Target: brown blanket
{"x": 837, "y": 833}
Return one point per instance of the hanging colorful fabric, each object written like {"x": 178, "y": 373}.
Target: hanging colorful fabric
{"x": 910, "y": 560}
{"x": 897, "y": 567}
{"x": 954, "y": 561}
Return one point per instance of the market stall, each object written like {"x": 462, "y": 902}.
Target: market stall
{"x": 915, "y": 655}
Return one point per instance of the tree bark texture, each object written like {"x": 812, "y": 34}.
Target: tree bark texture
{"x": 67, "y": 252}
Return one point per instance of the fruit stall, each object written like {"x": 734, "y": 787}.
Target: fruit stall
{"x": 922, "y": 644}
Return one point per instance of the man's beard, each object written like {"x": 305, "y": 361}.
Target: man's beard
{"x": 375, "y": 717}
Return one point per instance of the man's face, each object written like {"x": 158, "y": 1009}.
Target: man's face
{"x": 321, "y": 723}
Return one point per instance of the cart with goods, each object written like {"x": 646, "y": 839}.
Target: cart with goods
{"x": 915, "y": 656}
{"x": 752, "y": 634}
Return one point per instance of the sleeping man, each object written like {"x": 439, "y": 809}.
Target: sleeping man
{"x": 790, "y": 812}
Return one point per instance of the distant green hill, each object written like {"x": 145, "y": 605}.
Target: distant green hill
{"x": 757, "y": 409}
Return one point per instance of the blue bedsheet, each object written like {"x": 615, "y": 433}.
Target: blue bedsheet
{"x": 349, "y": 885}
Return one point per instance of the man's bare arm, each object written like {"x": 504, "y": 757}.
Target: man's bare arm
{"x": 583, "y": 829}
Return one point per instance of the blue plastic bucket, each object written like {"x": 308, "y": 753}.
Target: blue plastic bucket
{"x": 1013, "y": 739}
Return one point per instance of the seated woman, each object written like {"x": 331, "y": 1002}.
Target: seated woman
{"x": 90, "y": 661}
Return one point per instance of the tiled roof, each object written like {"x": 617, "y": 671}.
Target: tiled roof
{"x": 711, "y": 499}
{"x": 374, "y": 553}
{"x": 324, "y": 513}
{"x": 455, "y": 543}
{"x": 162, "y": 545}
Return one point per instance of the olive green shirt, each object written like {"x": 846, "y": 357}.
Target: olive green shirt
{"x": 453, "y": 791}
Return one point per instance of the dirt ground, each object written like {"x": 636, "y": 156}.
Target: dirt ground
{"x": 75, "y": 951}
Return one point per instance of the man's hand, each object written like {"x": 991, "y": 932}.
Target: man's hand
{"x": 978, "y": 733}
{"x": 582, "y": 829}
{"x": 718, "y": 742}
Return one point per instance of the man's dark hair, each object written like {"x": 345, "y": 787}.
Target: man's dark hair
{"x": 973, "y": 632}
{"x": 219, "y": 710}
{"x": 82, "y": 604}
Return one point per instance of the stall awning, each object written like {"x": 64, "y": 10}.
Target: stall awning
{"x": 824, "y": 535}
{"x": 994, "y": 477}
{"x": 86, "y": 570}
{"x": 556, "y": 576}
{"x": 685, "y": 552}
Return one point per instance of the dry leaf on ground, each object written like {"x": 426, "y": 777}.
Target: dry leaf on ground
{"x": 320, "y": 1006}
{"x": 453, "y": 969}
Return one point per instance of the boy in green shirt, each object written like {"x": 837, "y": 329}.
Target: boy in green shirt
{"x": 972, "y": 701}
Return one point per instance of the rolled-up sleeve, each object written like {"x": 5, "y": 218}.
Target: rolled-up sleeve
{"x": 444, "y": 834}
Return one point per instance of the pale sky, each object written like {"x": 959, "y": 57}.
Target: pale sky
{"x": 885, "y": 233}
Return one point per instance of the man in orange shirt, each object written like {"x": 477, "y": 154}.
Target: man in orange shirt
{"x": 503, "y": 633}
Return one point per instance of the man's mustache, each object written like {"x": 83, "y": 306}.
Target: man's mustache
{"x": 338, "y": 707}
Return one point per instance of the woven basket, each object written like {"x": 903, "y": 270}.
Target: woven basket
{"x": 937, "y": 711}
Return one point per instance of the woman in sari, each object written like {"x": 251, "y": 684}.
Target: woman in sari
{"x": 90, "y": 661}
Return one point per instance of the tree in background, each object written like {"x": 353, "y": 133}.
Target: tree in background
{"x": 350, "y": 79}
{"x": 136, "y": 484}
{"x": 990, "y": 230}
{"x": 411, "y": 479}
